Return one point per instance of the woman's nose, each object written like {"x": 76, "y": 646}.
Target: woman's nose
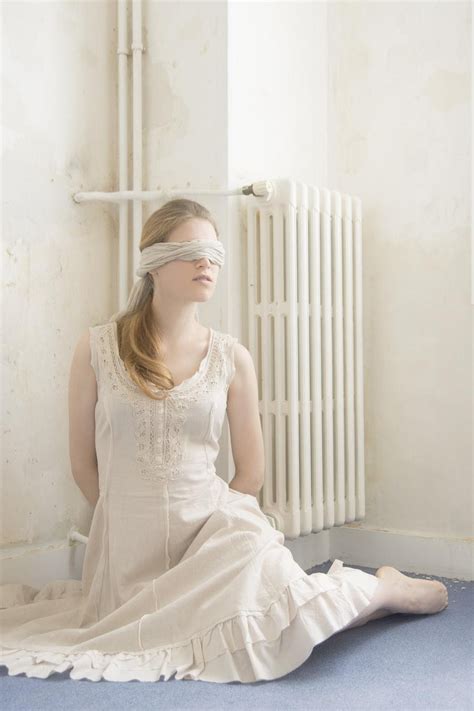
{"x": 204, "y": 260}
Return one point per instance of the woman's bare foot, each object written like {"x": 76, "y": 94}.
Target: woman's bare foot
{"x": 413, "y": 595}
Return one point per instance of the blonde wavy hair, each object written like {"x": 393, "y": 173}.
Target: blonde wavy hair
{"x": 137, "y": 334}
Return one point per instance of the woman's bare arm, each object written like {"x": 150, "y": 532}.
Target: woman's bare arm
{"x": 82, "y": 400}
{"x": 244, "y": 424}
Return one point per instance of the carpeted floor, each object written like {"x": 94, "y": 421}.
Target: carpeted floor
{"x": 404, "y": 662}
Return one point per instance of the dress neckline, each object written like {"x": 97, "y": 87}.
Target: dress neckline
{"x": 184, "y": 383}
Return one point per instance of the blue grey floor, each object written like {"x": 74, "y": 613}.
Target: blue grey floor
{"x": 404, "y": 662}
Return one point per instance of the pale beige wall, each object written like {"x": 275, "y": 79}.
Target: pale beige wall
{"x": 399, "y": 119}
{"x": 58, "y": 125}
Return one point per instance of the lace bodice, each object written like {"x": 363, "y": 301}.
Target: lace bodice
{"x": 168, "y": 433}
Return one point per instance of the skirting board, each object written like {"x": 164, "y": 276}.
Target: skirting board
{"x": 352, "y": 543}
{"x": 358, "y": 545}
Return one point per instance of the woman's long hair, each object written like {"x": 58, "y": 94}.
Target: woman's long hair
{"x": 137, "y": 334}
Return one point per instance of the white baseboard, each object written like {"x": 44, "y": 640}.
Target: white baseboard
{"x": 38, "y": 564}
{"x": 354, "y": 544}
{"x": 447, "y": 556}
{"x": 359, "y": 545}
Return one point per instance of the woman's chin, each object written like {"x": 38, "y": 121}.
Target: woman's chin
{"x": 202, "y": 299}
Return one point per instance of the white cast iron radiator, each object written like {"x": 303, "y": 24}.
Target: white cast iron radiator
{"x": 304, "y": 259}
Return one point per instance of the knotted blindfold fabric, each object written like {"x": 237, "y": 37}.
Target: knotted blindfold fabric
{"x": 162, "y": 252}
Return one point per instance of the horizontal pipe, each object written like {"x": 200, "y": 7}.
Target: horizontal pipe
{"x": 258, "y": 189}
{"x": 76, "y": 536}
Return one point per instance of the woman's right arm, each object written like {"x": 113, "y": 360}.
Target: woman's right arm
{"x": 82, "y": 400}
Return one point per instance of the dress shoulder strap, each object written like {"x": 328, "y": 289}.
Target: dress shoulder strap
{"x": 97, "y": 343}
{"x": 94, "y": 349}
{"x": 228, "y": 342}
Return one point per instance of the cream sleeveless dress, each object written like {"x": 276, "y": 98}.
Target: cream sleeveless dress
{"x": 182, "y": 575}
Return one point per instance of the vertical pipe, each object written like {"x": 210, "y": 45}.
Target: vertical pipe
{"x": 359, "y": 366}
{"x": 265, "y": 316}
{"x": 304, "y": 394}
{"x": 317, "y": 444}
{"x": 122, "y": 52}
{"x": 349, "y": 355}
{"x": 292, "y": 366}
{"x": 327, "y": 315}
{"x": 137, "y": 49}
{"x": 279, "y": 362}
{"x": 251, "y": 274}
{"x": 338, "y": 364}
